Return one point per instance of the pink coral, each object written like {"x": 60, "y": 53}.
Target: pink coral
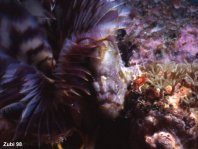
{"x": 188, "y": 40}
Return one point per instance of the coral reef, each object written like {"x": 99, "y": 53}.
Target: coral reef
{"x": 162, "y": 31}
{"x": 99, "y": 74}
{"x": 164, "y": 107}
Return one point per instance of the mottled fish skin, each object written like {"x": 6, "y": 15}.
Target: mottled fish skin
{"x": 90, "y": 62}
{"x": 22, "y": 38}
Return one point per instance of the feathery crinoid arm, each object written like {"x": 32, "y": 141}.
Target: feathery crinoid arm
{"x": 28, "y": 102}
{"x": 80, "y": 16}
{"x": 23, "y": 38}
